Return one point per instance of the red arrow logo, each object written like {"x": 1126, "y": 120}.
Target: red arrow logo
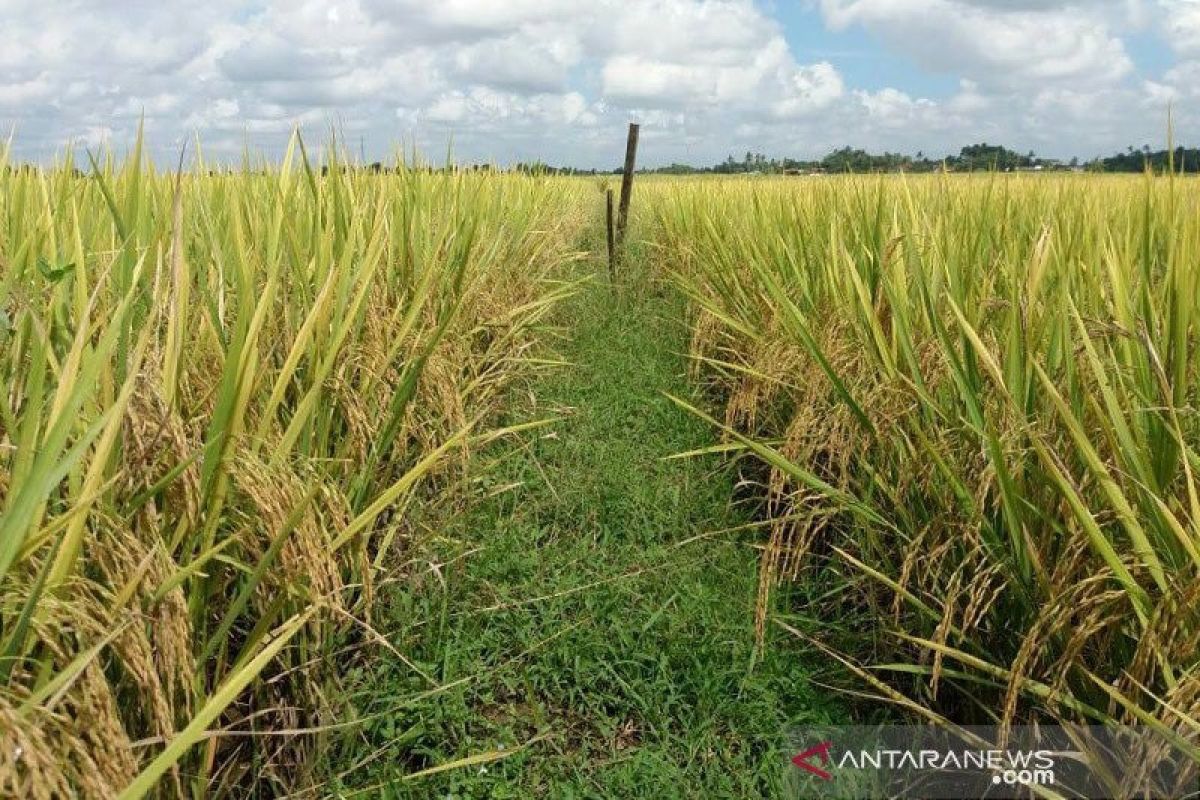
{"x": 822, "y": 750}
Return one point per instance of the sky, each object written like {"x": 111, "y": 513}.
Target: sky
{"x": 557, "y": 80}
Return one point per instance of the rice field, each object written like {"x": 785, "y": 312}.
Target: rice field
{"x": 972, "y": 401}
{"x": 962, "y": 411}
{"x": 222, "y": 393}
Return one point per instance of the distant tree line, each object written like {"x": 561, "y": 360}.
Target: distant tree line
{"x": 972, "y": 158}
{"x": 1181, "y": 159}
{"x": 849, "y": 159}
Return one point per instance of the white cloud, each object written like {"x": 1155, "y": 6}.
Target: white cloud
{"x": 483, "y": 107}
{"x": 808, "y": 89}
{"x": 893, "y": 107}
{"x": 21, "y": 93}
{"x": 1180, "y": 21}
{"x": 468, "y": 20}
{"x": 520, "y": 61}
{"x": 1010, "y": 45}
{"x": 557, "y": 79}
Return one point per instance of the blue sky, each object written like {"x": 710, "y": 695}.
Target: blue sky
{"x": 867, "y": 65}
{"x": 557, "y": 80}
{"x": 858, "y": 57}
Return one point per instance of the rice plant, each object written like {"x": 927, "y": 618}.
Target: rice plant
{"x": 974, "y": 403}
{"x": 966, "y": 407}
{"x": 225, "y": 391}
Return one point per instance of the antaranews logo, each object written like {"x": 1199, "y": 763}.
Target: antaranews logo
{"x": 1012, "y": 767}
{"x": 968, "y": 762}
{"x": 820, "y": 751}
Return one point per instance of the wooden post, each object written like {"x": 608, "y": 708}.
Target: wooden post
{"x": 612, "y": 250}
{"x": 627, "y": 182}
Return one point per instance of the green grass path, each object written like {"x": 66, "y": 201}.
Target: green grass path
{"x": 576, "y": 612}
